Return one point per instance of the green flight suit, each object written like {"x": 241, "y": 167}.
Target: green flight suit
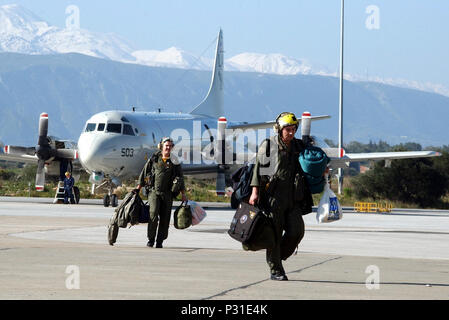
{"x": 158, "y": 176}
{"x": 274, "y": 173}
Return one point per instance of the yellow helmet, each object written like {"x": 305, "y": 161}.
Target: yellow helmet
{"x": 286, "y": 119}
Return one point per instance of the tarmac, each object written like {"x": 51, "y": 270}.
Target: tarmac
{"x": 60, "y": 252}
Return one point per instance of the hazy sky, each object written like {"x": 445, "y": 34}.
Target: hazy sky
{"x": 402, "y": 39}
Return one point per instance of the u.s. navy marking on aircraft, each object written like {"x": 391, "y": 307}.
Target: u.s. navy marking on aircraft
{"x": 115, "y": 145}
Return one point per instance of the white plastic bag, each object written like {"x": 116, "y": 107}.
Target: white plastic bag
{"x": 198, "y": 213}
{"x": 329, "y": 209}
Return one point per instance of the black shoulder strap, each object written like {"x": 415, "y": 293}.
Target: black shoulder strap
{"x": 267, "y": 150}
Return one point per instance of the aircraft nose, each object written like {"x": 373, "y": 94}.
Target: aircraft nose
{"x": 93, "y": 150}
{"x": 99, "y": 153}
{"x": 87, "y": 147}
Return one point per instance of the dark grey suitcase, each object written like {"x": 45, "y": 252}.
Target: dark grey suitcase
{"x": 251, "y": 226}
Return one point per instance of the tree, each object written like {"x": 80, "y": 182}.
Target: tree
{"x": 414, "y": 181}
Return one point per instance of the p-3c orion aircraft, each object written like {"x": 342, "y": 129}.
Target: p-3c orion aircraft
{"x": 114, "y": 145}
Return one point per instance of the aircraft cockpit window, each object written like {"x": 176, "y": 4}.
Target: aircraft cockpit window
{"x": 100, "y": 127}
{"x": 90, "y": 127}
{"x": 114, "y": 127}
{"x": 128, "y": 130}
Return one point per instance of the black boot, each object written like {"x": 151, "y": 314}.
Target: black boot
{"x": 150, "y": 243}
{"x": 279, "y": 276}
{"x": 159, "y": 244}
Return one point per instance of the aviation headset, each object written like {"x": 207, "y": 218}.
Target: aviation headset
{"x": 164, "y": 140}
{"x": 290, "y": 119}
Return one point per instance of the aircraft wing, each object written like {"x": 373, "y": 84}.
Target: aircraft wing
{"x": 18, "y": 154}
{"x": 266, "y": 125}
{"x": 357, "y": 157}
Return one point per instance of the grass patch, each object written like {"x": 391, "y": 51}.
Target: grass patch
{"x": 16, "y": 181}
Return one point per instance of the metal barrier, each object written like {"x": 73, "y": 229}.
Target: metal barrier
{"x": 384, "y": 207}
{"x": 372, "y": 207}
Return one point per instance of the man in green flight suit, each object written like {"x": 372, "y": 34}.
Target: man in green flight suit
{"x": 163, "y": 176}
{"x": 279, "y": 187}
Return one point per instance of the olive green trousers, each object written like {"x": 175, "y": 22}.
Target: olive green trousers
{"x": 289, "y": 231}
{"x": 160, "y": 212}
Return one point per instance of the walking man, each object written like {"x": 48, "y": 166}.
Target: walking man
{"x": 278, "y": 186}
{"x": 158, "y": 176}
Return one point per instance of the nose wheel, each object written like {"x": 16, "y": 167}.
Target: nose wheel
{"x": 110, "y": 200}
{"x": 106, "y": 200}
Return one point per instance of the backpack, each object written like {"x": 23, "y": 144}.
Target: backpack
{"x": 242, "y": 184}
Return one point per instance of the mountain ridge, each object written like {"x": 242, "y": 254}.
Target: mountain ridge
{"x": 72, "y": 87}
{"x": 22, "y": 31}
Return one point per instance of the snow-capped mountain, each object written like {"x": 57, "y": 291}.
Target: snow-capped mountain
{"x": 245, "y": 62}
{"x": 269, "y": 63}
{"x": 171, "y": 57}
{"x": 22, "y": 31}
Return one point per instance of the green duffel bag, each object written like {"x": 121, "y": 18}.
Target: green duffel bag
{"x": 182, "y": 216}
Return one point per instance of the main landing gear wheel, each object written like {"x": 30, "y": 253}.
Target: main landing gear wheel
{"x": 110, "y": 200}
{"x": 114, "y": 200}
{"x": 106, "y": 200}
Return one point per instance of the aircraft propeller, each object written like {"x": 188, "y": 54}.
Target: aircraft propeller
{"x": 46, "y": 150}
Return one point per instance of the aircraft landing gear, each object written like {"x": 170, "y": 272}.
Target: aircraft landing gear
{"x": 106, "y": 200}
{"x": 110, "y": 199}
{"x": 114, "y": 200}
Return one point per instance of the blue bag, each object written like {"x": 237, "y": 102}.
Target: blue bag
{"x": 313, "y": 162}
{"x": 242, "y": 184}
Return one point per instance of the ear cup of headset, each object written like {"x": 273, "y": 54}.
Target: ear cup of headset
{"x": 163, "y": 140}
{"x": 276, "y": 125}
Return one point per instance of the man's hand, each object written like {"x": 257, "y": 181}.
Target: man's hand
{"x": 137, "y": 189}
{"x": 254, "y": 196}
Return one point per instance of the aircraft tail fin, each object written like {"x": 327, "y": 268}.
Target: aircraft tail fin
{"x": 212, "y": 105}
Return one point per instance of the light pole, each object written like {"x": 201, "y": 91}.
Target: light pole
{"x": 340, "y": 110}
